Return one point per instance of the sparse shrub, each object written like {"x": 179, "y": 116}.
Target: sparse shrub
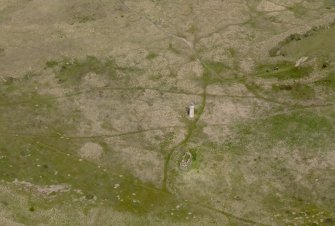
{"x": 51, "y": 64}
{"x": 89, "y": 196}
{"x": 29, "y": 75}
{"x": 293, "y": 37}
{"x": 281, "y": 87}
{"x": 194, "y": 153}
{"x": 325, "y": 64}
{"x": 151, "y": 56}
{"x": 5, "y": 203}
{"x": 84, "y": 18}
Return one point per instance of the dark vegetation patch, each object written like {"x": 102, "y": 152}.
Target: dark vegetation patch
{"x": 84, "y": 18}
{"x": 51, "y": 64}
{"x": 151, "y": 55}
{"x": 297, "y": 90}
{"x": 2, "y": 51}
{"x": 72, "y": 71}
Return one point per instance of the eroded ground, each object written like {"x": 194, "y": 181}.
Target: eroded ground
{"x": 93, "y": 121}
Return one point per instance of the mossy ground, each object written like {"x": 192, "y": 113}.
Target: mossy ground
{"x": 93, "y": 99}
{"x": 283, "y": 71}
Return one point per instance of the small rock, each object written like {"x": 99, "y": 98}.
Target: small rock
{"x": 301, "y": 61}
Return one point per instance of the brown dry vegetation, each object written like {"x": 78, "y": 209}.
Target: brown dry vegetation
{"x": 93, "y": 122}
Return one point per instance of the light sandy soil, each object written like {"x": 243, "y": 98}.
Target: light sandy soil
{"x": 91, "y": 151}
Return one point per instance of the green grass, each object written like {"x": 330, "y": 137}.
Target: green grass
{"x": 217, "y": 67}
{"x": 282, "y": 71}
{"x": 213, "y": 73}
{"x": 328, "y": 81}
{"x": 72, "y": 71}
{"x": 301, "y": 128}
{"x": 329, "y": 4}
{"x": 35, "y": 148}
{"x": 297, "y": 91}
{"x": 22, "y": 93}
{"x": 302, "y": 92}
{"x": 196, "y": 158}
{"x": 151, "y": 56}
{"x": 84, "y": 18}
{"x": 297, "y": 211}
{"x": 316, "y": 43}
{"x": 298, "y": 9}
{"x": 307, "y": 134}
{"x": 38, "y": 161}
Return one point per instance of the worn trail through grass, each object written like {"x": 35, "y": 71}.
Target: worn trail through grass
{"x": 193, "y": 124}
{"x": 68, "y": 137}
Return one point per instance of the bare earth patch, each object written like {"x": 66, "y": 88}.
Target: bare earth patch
{"x": 91, "y": 151}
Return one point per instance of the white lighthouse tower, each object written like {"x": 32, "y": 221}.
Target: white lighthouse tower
{"x": 191, "y": 110}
